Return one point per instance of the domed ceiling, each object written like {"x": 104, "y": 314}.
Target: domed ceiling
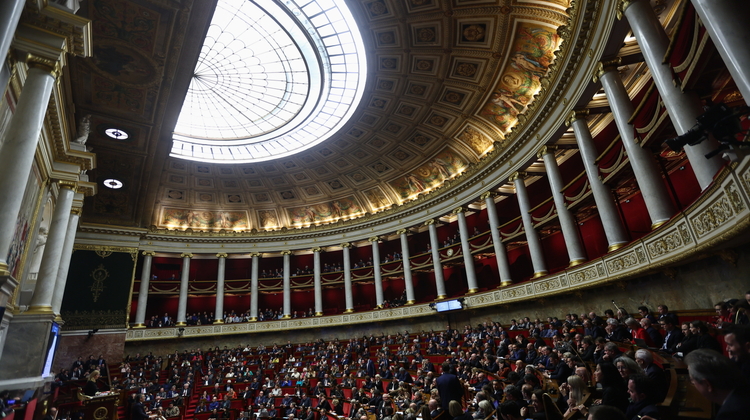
{"x": 447, "y": 82}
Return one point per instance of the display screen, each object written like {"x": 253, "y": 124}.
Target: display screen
{"x": 54, "y": 335}
{"x": 448, "y": 305}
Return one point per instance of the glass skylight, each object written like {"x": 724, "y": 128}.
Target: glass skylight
{"x": 273, "y": 78}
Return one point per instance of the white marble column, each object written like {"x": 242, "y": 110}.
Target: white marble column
{"x": 348, "y": 298}
{"x": 726, "y": 22}
{"x": 646, "y": 170}
{"x": 140, "y": 310}
{"x": 605, "y": 203}
{"x": 683, "y": 107}
{"x": 220, "y": 274}
{"x": 568, "y": 225}
{"x": 10, "y": 14}
{"x": 532, "y": 236}
{"x": 19, "y": 147}
{"x": 184, "y": 278}
{"x": 41, "y": 301}
{"x": 405, "y": 259}
{"x": 436, "y": 264}
{"x": 463, "y": 232}
{"x": 503, "y": 267}
{"x": 254, "y": 286}
{"x": 316, "y": 279}
{"x": 287, "y": 284}
{"x": 376, "y": 272}
{"x": 67, "y": 253}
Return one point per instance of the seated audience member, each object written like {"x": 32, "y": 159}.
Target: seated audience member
{"x": 704, "y": 340}
{"x": 509, "y": 411}
{"x": 664, "y": 313}
{"x": 645, "y": 360}
{"x": 614, "y": 389}
{"x": 638, "y": 332}
{"x": 172, "y": 411}
{"x": 455, "y": 410}
{"x": 654, "y": 335}
{"x": 737, "y": 339}
{"x": 672, "y": 337}
{"x": 537, "y": 410}
{"x": 616, "y": 332}
{"x": 642, "y": 398}
{"x": 627, "y": 366}
{"x": 717, "y": 378}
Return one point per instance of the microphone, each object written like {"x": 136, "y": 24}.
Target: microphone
{"x": 616, "y": 307}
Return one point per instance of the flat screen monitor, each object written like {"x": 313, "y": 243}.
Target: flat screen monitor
{"x": 54, "y": 336}
{"x": 449, "y": 305}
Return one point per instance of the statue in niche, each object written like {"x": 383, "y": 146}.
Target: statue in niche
{"x": 84, "y": 128}
{"x": 41, "y": 241}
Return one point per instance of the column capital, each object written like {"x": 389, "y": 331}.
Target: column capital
{"x": 429, "y": 222}
{"x": 487, "y": 194}
{"x": 149, "y": 253}
{"x": 286, "y": 252}
{"x": 186, "y": 255}
{"x": 317, "y": 249}
{"x": 458, "y": 210}
{"x": 346, "y": 245}
{"x": 373, "y": 239}
{"x": 221, "y": 255}
{"x": 71, "y": 185}
{"x": 604, "y": 67}
{"x": 255, "y": 254}
{"x": 46, "y": 64}
{"x": 576, "y": 114}
{"x": 622, "y": 6}
{"x": 76, "y": 210}
{"x": 401, "y": 232}
{"x": 517, "y": 175}
{"x": 546, "y": 149}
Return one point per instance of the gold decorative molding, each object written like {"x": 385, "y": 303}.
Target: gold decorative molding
{"x": 71, "y": 185}
{"x": 86, "y": 247}
{"x": 346, "y": 245}
{"x": 255, "y": 255}
{"x": 429, "y": 222}
{"x": 551, "y": 148}
{"x": 458, "y": 210}
{"x": 576, "y": 114}
{"x": 622, "y": 6}
{"x": 373, "y": 239}
{"x": 487, "y": 194}
{"x": 76, "y": 211}
{"x": 221, "y": 255}
{"x": 519, "y": 175}
{"x": 46, "y": 64}
{"x": 317, "y": 249}
{"x": 401, "y": 232}
{"x": 286, "y": 252}
{"x": 149, "y": 253}
{"x": 604, "y": 67}
{"x": 186, "y": 255}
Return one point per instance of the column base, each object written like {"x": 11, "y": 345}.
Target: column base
{"x": 378, "y": 307}
{"x": 40, "y": 310}
{"x": 253, "y": 319}
{"x": 615, "y": 247}
{"x": 472, "y": 291}
{"x": 659, "y": 224}
{"x": 348, "y": 311}
{"x": 574, "y": 263}
{"x": 318, "y": 313}
{"x": 138, "y": 326}
{"x": 219, "y": 321}
{"x": 180, "y": 324}
{"x": 505, "y": 283}
{"x": 540, "y": 274}
{"x": 287, "y": 316}
{"x": 441, "y": 297}
{"x": 410, "y": 302}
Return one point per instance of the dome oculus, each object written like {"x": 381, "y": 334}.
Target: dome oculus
{"x": 273, "y": 78}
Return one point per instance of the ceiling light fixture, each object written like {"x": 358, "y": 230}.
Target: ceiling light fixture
{"x": 116, "y": 134}
{"x": 115, "y": 184}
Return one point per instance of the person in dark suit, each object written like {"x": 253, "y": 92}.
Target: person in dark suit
{"x": 51, "y": 414}
{"x": 673, "y": 334}
{"x": 642, "y": 399}
{"x": 90, "y": 389}
{"x": 138, "y": 410}
{"x": 449, "y": 387}
{"x": 717, "y": 378}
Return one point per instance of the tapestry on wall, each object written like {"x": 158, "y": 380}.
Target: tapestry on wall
{"x": 98, "y": 289}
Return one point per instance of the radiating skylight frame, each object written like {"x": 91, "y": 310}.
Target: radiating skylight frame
{"x": 326, "y": 30}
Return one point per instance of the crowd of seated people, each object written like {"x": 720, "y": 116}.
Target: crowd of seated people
{"x": 393, "y": 375}
{"x": 80, "y": 369}
{"x": 159, "y": 321}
